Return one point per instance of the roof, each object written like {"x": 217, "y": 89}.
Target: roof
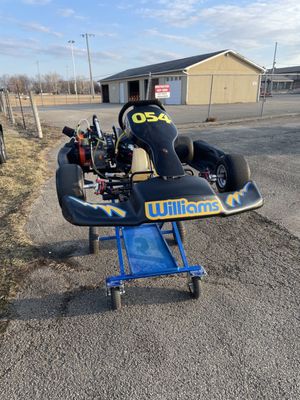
{"x": 286, "y": 70}
{"x": 277, "y": 78}
{"x": 172, "y": 66}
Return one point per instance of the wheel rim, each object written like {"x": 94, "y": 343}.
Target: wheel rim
{"x": 221, "y": 176}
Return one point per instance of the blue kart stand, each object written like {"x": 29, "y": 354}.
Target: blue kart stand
{"x": 148, "y": 255}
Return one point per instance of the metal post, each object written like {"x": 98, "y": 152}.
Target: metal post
{"x": 40, "y": 82}
{"x": 3, "y": 103}
{"x": 36, "y": 115}
{"x": 73, "y": 61}
{"x": 86, "y": 35}
{"x": 264, "y": 97}
{"x": 149, "y": 86}
{"x": 273, "y": 68}
{"x": 10, "y": 112}
{"x": 210, "y": 96}
{"x": 24, "y": 124}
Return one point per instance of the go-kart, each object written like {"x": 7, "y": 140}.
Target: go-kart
{"x": 147, "y": 173}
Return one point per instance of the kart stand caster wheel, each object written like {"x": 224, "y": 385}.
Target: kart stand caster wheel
{"x": 115, "y": 294}
{"x": 195, "y": 287}
{"x": 93, "y": 240}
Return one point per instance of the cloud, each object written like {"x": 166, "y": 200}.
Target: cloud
{"x": 256, "y": 23}
{"x": 196, "y": 43}
{"x": 145, "y": 57}
{"x": 253, "y": 23}
{"x": 37, "y": 2}
{"x": 66, "y": 12}
{"x": 18, "y": 48}
{"x": 177, "y": 13}
{"x": 35, "y": 26}
{"x": 70, "y": 13}
{"x": 250, "y": 28}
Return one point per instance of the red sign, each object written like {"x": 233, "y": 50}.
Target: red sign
{"x": 162, "y": 91}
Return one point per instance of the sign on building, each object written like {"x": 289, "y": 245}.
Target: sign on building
{"x": 162, "y": 91}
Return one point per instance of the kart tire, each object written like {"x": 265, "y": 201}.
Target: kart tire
{"x": 184, "y": 148}
{"x": 69, "y": 182}
{"x": 232, "y": 172}
{"x": 182, "y": 231}
{"x": 3, "y": 156}
{"x": 93, "y": 240}
{"x": 195, "y": 287}
{"x": 115, "y": 293}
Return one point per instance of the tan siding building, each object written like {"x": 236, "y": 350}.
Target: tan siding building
{"x": 220, "y": 78}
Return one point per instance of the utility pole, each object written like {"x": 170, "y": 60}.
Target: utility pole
{"x": 40, "y": 82}
{"x": 273, "y": 67}
{"x": 86, "y": 35}
{"x": 73, "y": 61}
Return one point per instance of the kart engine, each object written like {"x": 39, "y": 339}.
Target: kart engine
{"x": 95, "y": 150}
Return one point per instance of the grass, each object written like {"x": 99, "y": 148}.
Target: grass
{"x": 20, "y": 180}
{"x": 52, "y": 100}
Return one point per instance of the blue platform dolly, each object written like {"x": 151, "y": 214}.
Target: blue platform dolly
{"x": 149, "y": 255}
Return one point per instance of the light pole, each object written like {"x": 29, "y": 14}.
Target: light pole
{"x": 40, "y": 83}
{"x": 68, "y": 80}
{"x": 74, "y": 72}
{"x": 86, "y": 35}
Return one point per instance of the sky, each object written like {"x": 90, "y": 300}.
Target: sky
{"x": 129, "y": 33}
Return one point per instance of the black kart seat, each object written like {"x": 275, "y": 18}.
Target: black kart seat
{"x": 152, "y": 129}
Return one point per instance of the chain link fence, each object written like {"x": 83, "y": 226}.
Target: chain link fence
{"x": 220, "y": 97}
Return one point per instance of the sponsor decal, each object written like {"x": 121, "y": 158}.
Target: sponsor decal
{"x": 235, "y": 198}
{"x": 109, "y": 210}
{"x": 180, "y": 208}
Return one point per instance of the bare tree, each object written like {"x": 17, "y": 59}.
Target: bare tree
{"x": 19, "y": 83}
{"x": 51, "y": 83}
{"x": 4, "y": 79}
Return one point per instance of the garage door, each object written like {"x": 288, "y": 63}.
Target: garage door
{"x": 175, "y": 91}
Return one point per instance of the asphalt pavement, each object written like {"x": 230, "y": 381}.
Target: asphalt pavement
{"x": 70, "y": 114}
{"x": 239, "y": 341}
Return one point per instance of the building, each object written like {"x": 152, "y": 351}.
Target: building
{"x": 286, "y": 79}
{"x": 221, "y": 77}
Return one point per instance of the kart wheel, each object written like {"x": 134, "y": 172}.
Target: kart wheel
{"x": 115, "y": 298}
{"x": 195, "y": 287}
{"x": 2, "y": 149}
{"x": 93, "y": 240}
{"x": 232, "y": 173}
{"x": 182, "y": 231}
{"x": 69, "y": 182}
{"x": 184, "y": 148}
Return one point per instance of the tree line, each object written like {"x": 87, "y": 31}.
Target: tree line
{"x": 48, "y": 83}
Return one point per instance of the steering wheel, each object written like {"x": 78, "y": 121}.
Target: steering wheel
{"x": 134, "y": 104}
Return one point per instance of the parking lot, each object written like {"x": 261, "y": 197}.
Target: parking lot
{"x": 239, "y": 341}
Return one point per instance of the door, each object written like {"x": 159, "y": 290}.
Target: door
{"x": 175, "y": 90}
{"x": 122, "y": 92}
{"x": 105, "y": 93}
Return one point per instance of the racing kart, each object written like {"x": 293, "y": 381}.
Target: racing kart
{"x": 149, "y": 175}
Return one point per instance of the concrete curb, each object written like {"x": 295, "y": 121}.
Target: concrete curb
{"x": 189, "y": 125}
